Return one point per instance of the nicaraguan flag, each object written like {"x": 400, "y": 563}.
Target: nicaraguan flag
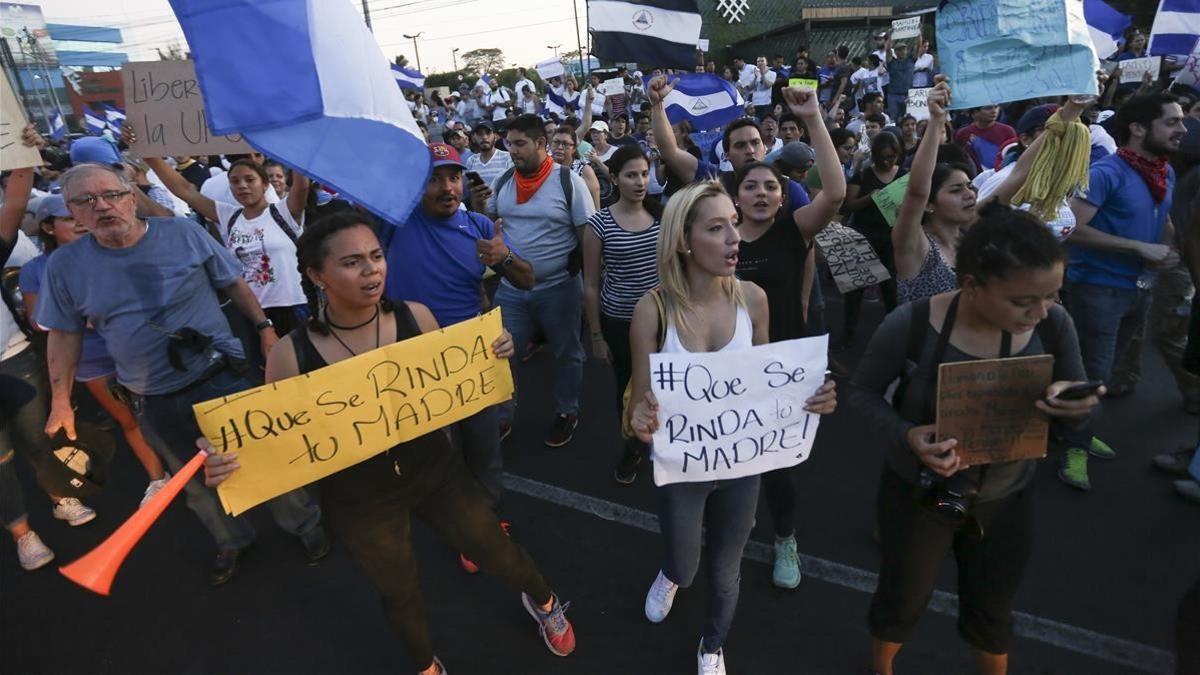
{"x": 557, "y": 100}
{"x": 657, "y": 32}
{"x": 93, "y": 122}
{"x": 58, "y": 128}
{"x": 325, "y": 103}
{"x": 1176, "y": 27}
{"x": 1105, "y": 25}
{"x": 114, "y": 116}
{"x": 704, "y": 99}
{"x": 408, "y": 78}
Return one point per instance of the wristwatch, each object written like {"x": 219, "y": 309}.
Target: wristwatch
{"x": 264, "y": 324}
{"x": 508, "y": 260}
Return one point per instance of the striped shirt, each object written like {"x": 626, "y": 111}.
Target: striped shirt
{"x": 630, "y": 264}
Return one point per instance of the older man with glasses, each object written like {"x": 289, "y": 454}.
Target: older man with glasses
{"x": 149, "y": 287}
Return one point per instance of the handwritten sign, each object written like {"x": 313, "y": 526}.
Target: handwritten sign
{"x": 550, "y": 68}
{"x": 889, "y": 198}
{"x": 166, "y": 110}
{"x": 13, "y": 153}
{"x": 852, "y": 261}
{"x": 803, "y": 82}
{"x": 738, "y": 413}
{"x": 903, "y": 29}
{"x": 1132, "y": 70}
{"x": 989, "y": 407}
{"x": 702, "y": 44}
{"x": 615, "y": 85}
{"x": 995, "y": 51}
{"x": 296, "y": 431}
{"x": 918, "y": 103}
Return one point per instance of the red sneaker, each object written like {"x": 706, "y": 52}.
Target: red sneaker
{"x": 553, "y": 626}
{"x": 468, "y": 565}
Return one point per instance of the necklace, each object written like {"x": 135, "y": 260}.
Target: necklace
{"x": 339, "y": 340}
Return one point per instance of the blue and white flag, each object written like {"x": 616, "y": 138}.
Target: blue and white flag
{"x": 114, "y": 116}
{"x": 58, "y": 127}
{"x": 557, "y": 100}
{"x": 408, "y": 78}
{"x": 1176, "y": 27}
{"x": 93, "y": 123}
{"x": 325, "y": 103}
{"x": 1105, "y": 25}
{"x": 656, "y": 32}
{"x": 704, "y": 99}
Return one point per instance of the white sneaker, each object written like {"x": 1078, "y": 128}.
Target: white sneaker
{"x": 660, "y": 598}
{"x": 710, "y": 664}
{"x": 73, "y": 511}
{"x": 32, "y": 552}
{"x": 153, "y": 488}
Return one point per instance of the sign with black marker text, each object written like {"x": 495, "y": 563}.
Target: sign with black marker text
{"x": 737, "y": 413}
{"x": 166, "y": 110}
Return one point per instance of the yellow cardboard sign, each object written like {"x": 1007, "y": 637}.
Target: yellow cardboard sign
{"x": 803, "y": 82}
{"x": 296, "y": 431}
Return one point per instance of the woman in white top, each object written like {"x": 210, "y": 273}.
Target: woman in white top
{"x": 263, "y": 236}
{"x": 707, "y": 309}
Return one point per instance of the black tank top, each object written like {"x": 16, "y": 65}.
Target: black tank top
{"x": 408, "y": 471}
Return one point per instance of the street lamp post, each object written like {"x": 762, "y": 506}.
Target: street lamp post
{"x": 555, "y": 48}
{"x": 454, "y": 55}
{"x": 416, "y": 52}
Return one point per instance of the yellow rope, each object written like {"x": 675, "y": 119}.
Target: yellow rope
{"x": 1059, "y": 170}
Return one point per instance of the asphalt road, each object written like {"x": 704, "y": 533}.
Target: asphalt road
{"x": 1107, "y": 571}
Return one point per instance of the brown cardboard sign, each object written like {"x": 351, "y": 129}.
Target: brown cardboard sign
{"x": 14, "y": 154}
{"x": 989, "y": 407}
{"x": 852, "y": 261}
{"x": 166, "y": 110}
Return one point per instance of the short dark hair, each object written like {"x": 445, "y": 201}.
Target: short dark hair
{"x": 885, "y": 142}
{"x": 530, "y": 125}
{"x": 734, "y": 126}
{"x": 843, "y": 51}
{"x": 1004, "y": 241}
{"x": 841, "y": 135}
{"x": 873, "y": 59}
{"x": 871, "y": 97}
{"x": 877, "y": 118}
{"x": 1141, "y": 110}
{"x": 789, "y": 117}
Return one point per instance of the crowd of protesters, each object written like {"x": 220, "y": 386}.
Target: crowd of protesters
{"x": 603, "y": 230}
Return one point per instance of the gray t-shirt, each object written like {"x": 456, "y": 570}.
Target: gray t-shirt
{"x": 168, "y": 278}
{"x": 543, "y": 229}
{"x": 886, "y": 359}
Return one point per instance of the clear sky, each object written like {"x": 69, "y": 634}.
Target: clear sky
{"x": 521, "y": 28}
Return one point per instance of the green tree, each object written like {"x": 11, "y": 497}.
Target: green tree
{"x": 401, "y": 60}
{"x": 483, "y": 60}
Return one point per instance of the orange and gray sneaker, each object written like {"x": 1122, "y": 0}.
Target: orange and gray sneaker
{"x": 552, "y": 625}
{"x": 469, "y": 565}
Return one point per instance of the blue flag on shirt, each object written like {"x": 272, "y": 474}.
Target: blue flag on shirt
{"x": 325, "y": 103}
{"x": 705, "y": 100}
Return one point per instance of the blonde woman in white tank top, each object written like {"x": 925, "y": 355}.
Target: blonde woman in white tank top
{"x": 707, "y": 309}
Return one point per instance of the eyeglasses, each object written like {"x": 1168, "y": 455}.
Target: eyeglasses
{"x": 562, "y": 144}
{"x": 89, "y": 201}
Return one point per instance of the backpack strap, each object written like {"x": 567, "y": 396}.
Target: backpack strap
{"x": 503, "y": 180}
{"x": 232, "y": 219}
{"x": 283, "y": 225}
{"x": 568, "y": 187}
{"x": 917, "y": 329}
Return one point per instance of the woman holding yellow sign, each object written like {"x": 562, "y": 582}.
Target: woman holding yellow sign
{"x": 369, "y": 505}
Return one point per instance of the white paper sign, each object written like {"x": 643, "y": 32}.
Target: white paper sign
{"x": 737, "y": 413}
{"x": 702, "y": 44}
{"x": 918, "y": 105}
{"x": 1132, "y": 70}
{"x": 903, "y": 29}
{"x": 549, "y": 68}
{"x": 612, "y": 86}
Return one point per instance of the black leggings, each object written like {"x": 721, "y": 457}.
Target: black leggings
{"x": 378, "y": 535}
{"x": 852, "y": 301}
{"x": 616, "y": 334}
{"x": 915, "y": 540}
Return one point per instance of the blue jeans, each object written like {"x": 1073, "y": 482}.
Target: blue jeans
{"x": 24, "y": 404}
{"x": 169, "y": 424}
{"x": 557, "y": 311}
{"x": 479, "y": 435}
{"x": 897, "y": 104}
{"x": 1107, "y": 319}
{"x": 724, "y": 509}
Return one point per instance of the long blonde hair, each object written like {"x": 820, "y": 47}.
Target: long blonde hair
{"x": 680, "y": 214}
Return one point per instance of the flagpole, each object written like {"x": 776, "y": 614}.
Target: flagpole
{"x": 579, "y": 40}
{"x": 367, "y": 15}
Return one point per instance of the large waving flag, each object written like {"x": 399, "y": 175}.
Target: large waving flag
{"x": 93, "y": 123}
{"x": 658, "y": 32}
{"x": 325, "y": 103}
{"x": 115, "y": 117}
{"x": 1105, "y": 25}
{"x": 408, "y": 78}
{"x": 704, "y": 99}
{"x": 1176, "y": 27}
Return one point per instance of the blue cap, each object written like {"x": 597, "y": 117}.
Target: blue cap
{"x": 95, "y": 150}
{"x": 1035, "y": 118}
{"x": 51, "y": 206}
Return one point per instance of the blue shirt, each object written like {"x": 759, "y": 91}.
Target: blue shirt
{"x": 94, "y": 361}
{"x": 1125, "y": 209}
{"x": 433, "y": 261}
{"x": 168, "y": 278}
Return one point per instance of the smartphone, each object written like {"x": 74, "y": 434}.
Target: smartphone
{"x": 1080, "y": 391}
{"x": 474, "y": 178}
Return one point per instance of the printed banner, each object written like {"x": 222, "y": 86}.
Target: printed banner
{"x": 738, "y": 413}
{"x": 989, "y": 407}
{"x": 296, "y": 431}
{"x": 13, "y": 153}
{"x": 903, "y": 29}
{"x": 996, "y": 51}
{"x": 851, "y": 259}
{"x": 166, "y": 110}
